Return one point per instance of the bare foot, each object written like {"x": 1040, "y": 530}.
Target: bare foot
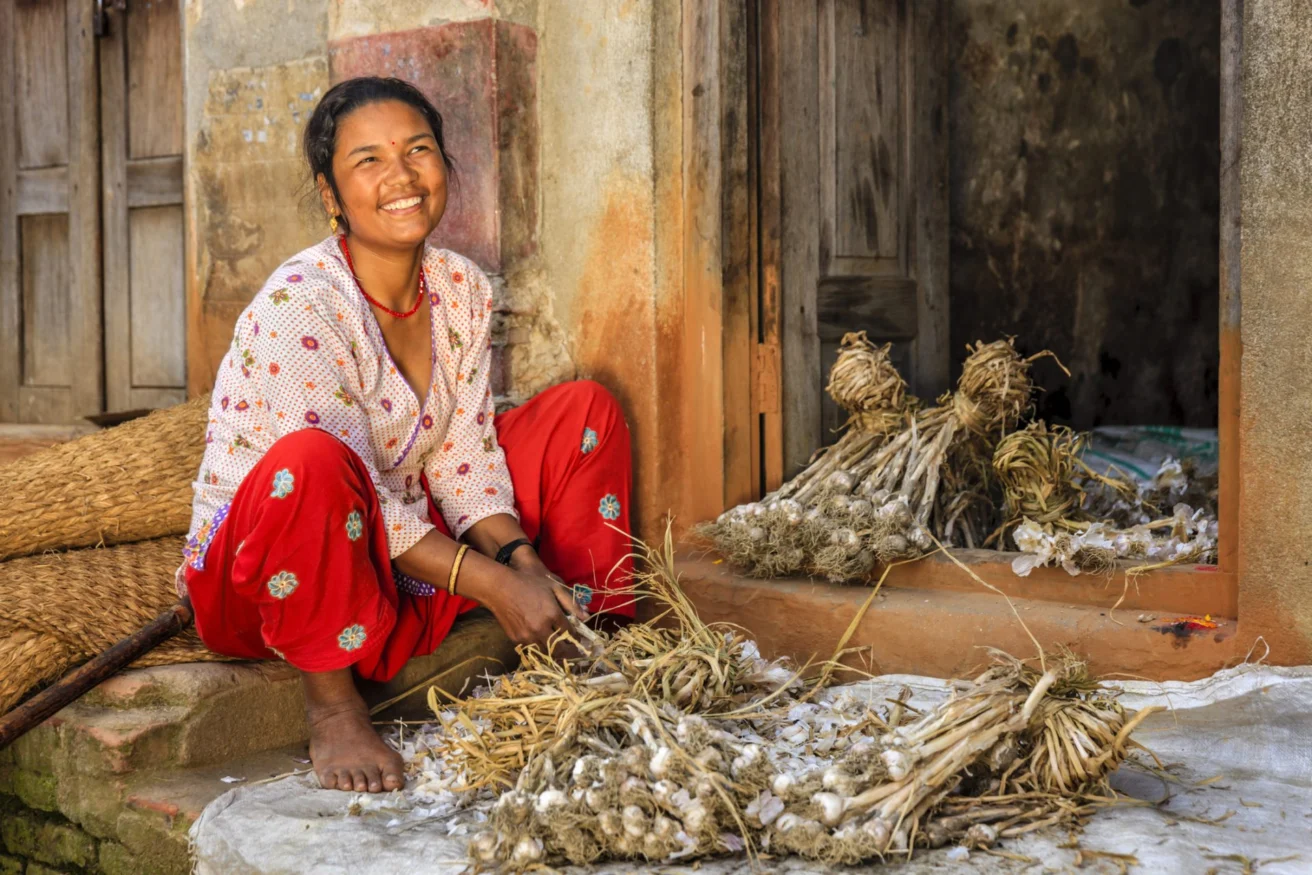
{"x": 346, "y": 751}
{"x": 348, "y": 754}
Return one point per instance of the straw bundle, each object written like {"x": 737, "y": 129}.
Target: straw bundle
{"x": 60, "y": 609}
{"x": 618, "y": 760}
{"x": 127, "y": 483}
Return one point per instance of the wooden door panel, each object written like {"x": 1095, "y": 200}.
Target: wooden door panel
{"x": 158, "y": 319}
{"x": 46, "y": 308}
{"x": 864, "y": 62}
{"x": 42, "y": 191}
{"x": 154, "y": 64}
{"x": 42, "y": 82}
{"x": 882, "y": 306}
{"x": 50, "y": 309}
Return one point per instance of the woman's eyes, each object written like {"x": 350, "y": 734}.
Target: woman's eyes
{"x": 365, "y": 160}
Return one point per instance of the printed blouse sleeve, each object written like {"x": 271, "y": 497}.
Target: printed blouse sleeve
{"x": 468, "y": 477}
{"x": 311, "y": 381}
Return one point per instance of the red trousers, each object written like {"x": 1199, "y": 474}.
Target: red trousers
{"x": 305, "y": 574}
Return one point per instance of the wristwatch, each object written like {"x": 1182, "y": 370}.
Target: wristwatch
{"x": 503, "y": 555}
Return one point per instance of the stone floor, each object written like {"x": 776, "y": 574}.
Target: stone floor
{"x": 112, "y": 783}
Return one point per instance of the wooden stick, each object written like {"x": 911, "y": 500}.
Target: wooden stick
{"x": 76, "y": 684}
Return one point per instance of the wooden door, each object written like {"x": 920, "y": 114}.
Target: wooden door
{"x": 860, "y": 117}
{"x": 141, "y": 115}
{"x": 50, "y": 313}
{"x": 91, "y": 222}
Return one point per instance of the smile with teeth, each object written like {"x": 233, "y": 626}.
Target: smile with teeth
{"x": 403, "y": 204}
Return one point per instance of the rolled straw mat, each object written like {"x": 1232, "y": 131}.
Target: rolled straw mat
{"x": 58, "y": 610}
{"x": 126, "y": 483}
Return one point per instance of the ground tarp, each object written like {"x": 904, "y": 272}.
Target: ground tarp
{"x": 1237, "y": 798}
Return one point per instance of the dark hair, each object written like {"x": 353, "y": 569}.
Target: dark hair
{"x": 344, "y": 98}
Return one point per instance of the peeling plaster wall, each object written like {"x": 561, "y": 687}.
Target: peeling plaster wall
{"x": 1275, "y": 536}
{"x": 1084, "y": 180}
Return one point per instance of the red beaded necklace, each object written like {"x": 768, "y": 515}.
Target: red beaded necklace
{"x": 423, "y": 285}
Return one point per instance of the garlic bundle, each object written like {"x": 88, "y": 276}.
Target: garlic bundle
{"x": 899, "y": 473}
{"x": 834, "y": 780}
{"x": 1188, "y": 535}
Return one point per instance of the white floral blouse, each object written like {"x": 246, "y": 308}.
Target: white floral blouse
{"x": 308, "y": 353}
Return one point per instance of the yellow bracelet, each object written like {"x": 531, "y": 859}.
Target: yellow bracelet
{"x": 455, "y": 569}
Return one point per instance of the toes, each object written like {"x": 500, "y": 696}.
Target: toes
{"x": 361, "y": 782}
{"x": 393, "y": 780}
{"x": 327, "y": 779}
{"x": 375, "y": 779}
{"x": 344, "y": 780}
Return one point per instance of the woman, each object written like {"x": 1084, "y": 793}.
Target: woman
{"x": 353, "y": 458}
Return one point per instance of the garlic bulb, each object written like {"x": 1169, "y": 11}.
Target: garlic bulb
{"x": 634, "y": 820}
{"x": 831, "y": 806}
{"x": 527, "y": 850}
{"x": 660, "y": 762}
{"x": 840, "y": 481}
{"x": 782, "y": 785}
{"x": 898, "y": 763}
{"x": 549, "y": 799}
{"x": 483, "y": 847}
{"x": 980, "y": 835}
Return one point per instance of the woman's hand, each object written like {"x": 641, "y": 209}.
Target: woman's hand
{"x": 532, "y": 608}
{"x": 528, "y": 601}
{"x": 525, "y": 560}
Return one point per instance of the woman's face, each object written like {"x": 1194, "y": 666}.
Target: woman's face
{"x": 390, "y": 176}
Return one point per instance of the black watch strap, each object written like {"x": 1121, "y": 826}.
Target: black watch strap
{"x": 503, "y": 555}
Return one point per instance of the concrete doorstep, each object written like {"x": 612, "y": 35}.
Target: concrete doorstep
{"x": 112, "y": 783}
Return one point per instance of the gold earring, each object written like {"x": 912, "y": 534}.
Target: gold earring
{"x": 332, "y": 224}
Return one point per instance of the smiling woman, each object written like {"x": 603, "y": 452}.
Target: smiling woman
{"x": 358, "y": 491}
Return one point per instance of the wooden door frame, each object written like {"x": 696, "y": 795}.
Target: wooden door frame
{"x": 729, "y": 384}
{"x": 713, "y": 365}
{"x": 1232, "y": 349}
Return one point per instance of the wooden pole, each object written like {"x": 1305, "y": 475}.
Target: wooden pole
{"x": 74, "y": 685}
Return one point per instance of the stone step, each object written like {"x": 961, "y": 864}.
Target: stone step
{"x": 113, "y": 782}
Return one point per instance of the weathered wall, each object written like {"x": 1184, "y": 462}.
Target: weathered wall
{"x": 549, "y": 105}
{"x": 1084, "y": 198}
{"x": 1275, "y": 535}
{"x": 252, "y": 72}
